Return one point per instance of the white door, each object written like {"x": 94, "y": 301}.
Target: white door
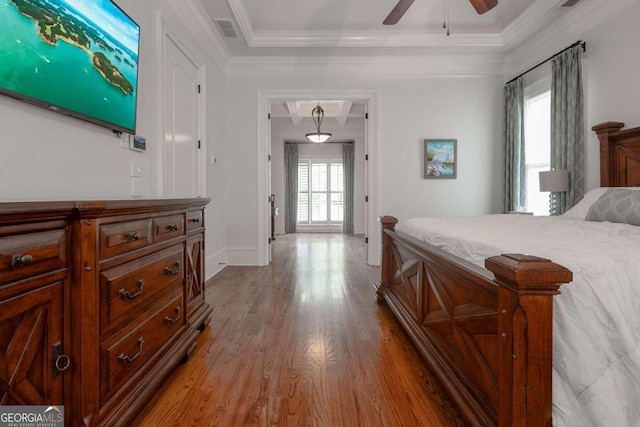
{"x": 270, "y": 222}
{"x": 181, "y": 124}
{"x": 366, "y": 178}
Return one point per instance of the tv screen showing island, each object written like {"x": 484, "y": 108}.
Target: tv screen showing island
{"x": 76, "y": 57}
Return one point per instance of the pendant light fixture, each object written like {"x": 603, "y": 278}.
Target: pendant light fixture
{"x": 318, "y": 115}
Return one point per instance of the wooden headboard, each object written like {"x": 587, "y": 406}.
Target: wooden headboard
{"x": 619, "y": 155}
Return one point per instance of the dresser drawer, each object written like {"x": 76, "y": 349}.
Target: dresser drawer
{"x": 194, "y": 220}
{"x": 168, "y": 227}
{"x": 126, "y": 290}
{"x": 30, "y": 254}
{"x": 124, "y": 236}
{"x": 123, "y": 357}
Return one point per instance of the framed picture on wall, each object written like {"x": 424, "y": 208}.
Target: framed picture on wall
{"x": 440, "y": 158}
{"x": 138, "y": 143}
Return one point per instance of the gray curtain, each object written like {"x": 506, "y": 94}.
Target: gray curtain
{"x": 515, "y": 183}
{"x": 567, "y": 125}
{"x": 348, "y": 178}
{"x": 291, "y": 187}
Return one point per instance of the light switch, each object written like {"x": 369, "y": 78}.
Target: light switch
{"x": 136, "y": 187}
{"x": 136, "y": 167}
{"x": 214, "y": 160}
{"x": 124, "y": 140}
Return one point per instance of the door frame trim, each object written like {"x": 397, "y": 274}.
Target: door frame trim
{"x": 266, "y": 97}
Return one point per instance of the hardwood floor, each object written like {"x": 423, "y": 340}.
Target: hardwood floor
{"x": 301, "y": 342}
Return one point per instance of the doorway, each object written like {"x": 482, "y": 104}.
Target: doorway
{"x": 265, "y": 99}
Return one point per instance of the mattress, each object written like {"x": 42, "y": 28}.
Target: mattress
{"x": 596, "y": 326}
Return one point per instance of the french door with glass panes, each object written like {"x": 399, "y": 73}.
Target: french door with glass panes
{"x": 320, "y": 192}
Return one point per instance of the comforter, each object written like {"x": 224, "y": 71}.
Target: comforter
{"x": 596, "y": 326}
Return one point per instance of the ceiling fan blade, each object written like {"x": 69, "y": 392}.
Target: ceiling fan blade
{"x": 570, "y": 3}
{"x": 397, "y": 12}
{"x": 482, "y": 6}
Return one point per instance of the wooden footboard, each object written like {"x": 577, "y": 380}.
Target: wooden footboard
{"x": 485, "y": 333}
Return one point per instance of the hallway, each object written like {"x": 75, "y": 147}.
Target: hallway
{"x": 301, "y": 342}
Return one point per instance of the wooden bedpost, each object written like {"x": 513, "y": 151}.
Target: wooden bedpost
{"x": 386, "y": 265}
{"x": 607, "y": 153}
{"x": 527, "y": 285}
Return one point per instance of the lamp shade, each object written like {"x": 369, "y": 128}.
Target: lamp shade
{"x": 554, "y": 180}
{"x": 318, "y": 136}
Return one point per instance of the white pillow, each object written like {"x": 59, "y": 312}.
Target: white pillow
{"x": 579, "y": 211}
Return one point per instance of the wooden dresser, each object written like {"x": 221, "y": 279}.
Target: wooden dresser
{"x": 98, "y": 302}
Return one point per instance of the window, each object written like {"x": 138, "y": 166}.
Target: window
{"x": 320, "y": 192}
{"x": 537, "y": 140}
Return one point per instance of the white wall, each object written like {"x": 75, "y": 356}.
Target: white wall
{"x": 612, "y": 81}
{"x": 466, "y": 108}
{"x": 284, "y": 130}
{"x": 49, "y": 156}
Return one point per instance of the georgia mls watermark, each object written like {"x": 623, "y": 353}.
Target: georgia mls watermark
{"x": 31, "y": 416}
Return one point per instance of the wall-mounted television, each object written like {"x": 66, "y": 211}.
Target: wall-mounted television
{"x": 75, "y": 57}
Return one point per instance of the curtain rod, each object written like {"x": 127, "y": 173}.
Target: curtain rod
{"x": 578, "y": 43}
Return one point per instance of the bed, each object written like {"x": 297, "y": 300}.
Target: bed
{"x": 492, "y": 323}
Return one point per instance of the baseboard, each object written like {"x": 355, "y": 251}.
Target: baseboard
{"x": 358, "y": 228}
{"x": 279, "y": 229}
{"x": 318, "y": 229}
{"x": 242, "y": 256}
{"x": 215, "y": 263}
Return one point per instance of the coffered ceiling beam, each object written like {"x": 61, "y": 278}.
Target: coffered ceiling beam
{"x": 344, "y": 114}
{"x": 293, "y": 113}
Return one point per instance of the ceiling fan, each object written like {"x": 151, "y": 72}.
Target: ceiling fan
{"x": 481, "y": 6}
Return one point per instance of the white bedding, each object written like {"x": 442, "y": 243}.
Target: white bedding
{"x": 596, "y": 326}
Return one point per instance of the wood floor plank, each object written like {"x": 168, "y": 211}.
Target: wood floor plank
{"x": 301, "y": 342}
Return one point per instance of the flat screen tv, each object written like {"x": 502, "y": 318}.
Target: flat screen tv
{"x": 75, "y": 57}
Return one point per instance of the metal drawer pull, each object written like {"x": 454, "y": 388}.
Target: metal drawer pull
{"x": 173, "y": 272}
{"x": 133, "y": 236}
{"x": 61, "y": 362}
{"x": 174, "y": 320}
{"x": 122, "y": 293}
{"x": 123, "y": 358}
{"x": 173, "y": 227}
{"x": 21, "y": 259}
{"x": 195, "y": 220}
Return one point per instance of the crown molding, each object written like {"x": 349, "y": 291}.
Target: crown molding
{"x": 529, "y": 22}
{"x": 566, "y": 30}
{"x": 372, "y": 39}
{"x": 195, "y": 19}
{"x": 242, "y": 19}
{"x": 382, "y": 67}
